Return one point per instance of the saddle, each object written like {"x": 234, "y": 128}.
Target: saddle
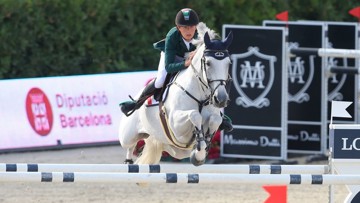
{"x": 161, "y": 93}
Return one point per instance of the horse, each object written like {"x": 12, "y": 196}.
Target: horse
{"x": 190, "y": 115}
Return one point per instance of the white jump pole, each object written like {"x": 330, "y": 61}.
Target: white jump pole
{"x": 167, "y": 168}
{"x": 201, "y": 178}
{"x": 328, "y": 52}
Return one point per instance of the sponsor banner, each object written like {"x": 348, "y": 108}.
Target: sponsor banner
{"x": 343, "y": 87}
{"x": 302, "y": 136}
{"x": 314, "y": 83}
{"x": 345, "y": 143}
{"x": 53, "y": 111}
{"x": 252, "y": 143}
{"x": 258, "y": 104}
{"x": 307, "y": 88}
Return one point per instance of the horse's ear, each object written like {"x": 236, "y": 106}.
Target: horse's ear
{"x": 207, "y": 39}
{"x": 228, "y": 39}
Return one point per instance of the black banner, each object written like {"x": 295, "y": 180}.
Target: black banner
{"x": 345, "y": 143}
{"x": 342, "y": 87}
{"x": 258, "y": 94}
{"x": 252, "y": 143}
{"x": 306, "y": 96}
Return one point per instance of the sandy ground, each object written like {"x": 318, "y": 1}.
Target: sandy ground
{"x": 120, "y": 192}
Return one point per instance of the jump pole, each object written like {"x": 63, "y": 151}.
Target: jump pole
{"x": 330, "y": 52}
{"x": 327, "y": 52}
{"x": 167, "y": 168}
{"x": 182, "y": 178}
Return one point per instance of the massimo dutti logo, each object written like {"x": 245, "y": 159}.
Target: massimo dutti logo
{"x": 253, "y": 74}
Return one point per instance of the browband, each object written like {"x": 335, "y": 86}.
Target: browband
{"x": 217, "y": 54}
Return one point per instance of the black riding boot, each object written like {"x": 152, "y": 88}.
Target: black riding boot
{"x": 226, "y": 124}
{"x": 129, "y": 107}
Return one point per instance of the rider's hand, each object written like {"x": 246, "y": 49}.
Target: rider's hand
{"x": 189, "y": 59}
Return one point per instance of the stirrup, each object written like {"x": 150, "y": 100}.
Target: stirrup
{"x": 226, "y": 124}
{"x": 125, "y": 109}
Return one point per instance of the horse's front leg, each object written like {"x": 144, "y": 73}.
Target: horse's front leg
{"x": 198, "y": 155}
{"x": 211, "y": 127}
{"x": 214, "y": 123}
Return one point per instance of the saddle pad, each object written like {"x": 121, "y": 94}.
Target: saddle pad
{"x": 151, "y": 101}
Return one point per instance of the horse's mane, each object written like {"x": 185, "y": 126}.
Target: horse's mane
{"x": 202, "y": 29}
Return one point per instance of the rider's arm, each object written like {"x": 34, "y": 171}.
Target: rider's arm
{"x": 173, "y": 48}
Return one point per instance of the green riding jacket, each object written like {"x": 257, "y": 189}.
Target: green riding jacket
{"x": 175, "y": 49}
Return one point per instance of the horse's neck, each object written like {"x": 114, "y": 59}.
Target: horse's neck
{"x": 190, "y": 78}
{"x": 194, "y": 70}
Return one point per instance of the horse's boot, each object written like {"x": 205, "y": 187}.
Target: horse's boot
{"x": 226, "y": 124}
{"x": 128, "y": 107}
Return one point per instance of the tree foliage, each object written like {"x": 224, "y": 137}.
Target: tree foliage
{"x": 69, "y": 37}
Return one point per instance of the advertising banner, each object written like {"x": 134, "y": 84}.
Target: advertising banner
{"x": 341, "y": 86}
{"x": 307, "y": 89}
{"x": 60, "y": 111}
{"x": 258, "y": 104}
{"x": 309, "y": 118}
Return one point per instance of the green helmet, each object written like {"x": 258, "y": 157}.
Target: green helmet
{"x": 186, "y": 17}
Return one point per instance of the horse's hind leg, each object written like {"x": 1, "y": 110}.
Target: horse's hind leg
{"x": 129, "y": 155}
{"x": 129, "y": 135}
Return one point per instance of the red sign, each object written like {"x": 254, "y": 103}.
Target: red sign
{"x": 39, "y": 112}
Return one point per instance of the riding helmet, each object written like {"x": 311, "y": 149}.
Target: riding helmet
{"x": 186, "y": 17}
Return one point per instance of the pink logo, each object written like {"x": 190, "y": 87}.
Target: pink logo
{"x": 39, "y": 111}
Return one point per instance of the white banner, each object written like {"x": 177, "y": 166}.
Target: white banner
{"x": 50, "y": 111}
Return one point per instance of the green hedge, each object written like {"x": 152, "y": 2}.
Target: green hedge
{"x": 68, "y": 37}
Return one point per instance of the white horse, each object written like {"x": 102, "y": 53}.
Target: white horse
{"x": 192, "y": 108}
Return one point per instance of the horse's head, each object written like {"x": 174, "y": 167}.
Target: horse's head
{"x": 215, "y": 66}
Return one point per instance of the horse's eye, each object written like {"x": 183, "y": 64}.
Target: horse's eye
{"x": 208, "y": 63}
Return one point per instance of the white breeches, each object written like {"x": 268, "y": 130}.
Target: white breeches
{"x": 161, "y": 73}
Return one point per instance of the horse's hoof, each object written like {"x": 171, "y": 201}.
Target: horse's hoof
{"x": 128, "y": 161}
{"x": 194, "y": 161}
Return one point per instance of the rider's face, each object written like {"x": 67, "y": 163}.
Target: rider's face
{"x": 187, "y": 32}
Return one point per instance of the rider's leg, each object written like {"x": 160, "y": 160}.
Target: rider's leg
{"x": 129, "y": 107}
{"x": 161, "y": 73}
{"x": 226, "y": 124}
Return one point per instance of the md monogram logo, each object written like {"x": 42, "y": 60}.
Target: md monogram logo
{"x": 253, "y": 74}
{"x": 336, "y": 81}
{"x": 300, "y": 76}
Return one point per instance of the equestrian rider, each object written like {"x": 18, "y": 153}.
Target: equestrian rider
{"x": 176, "y": 55}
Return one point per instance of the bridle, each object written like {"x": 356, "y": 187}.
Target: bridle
{"x": 217, "y": 54}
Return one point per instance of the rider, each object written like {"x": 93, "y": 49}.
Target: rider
{"x": 176, "y": 55}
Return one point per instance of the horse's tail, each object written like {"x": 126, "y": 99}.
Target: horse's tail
{"x": 151, "y": 153}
